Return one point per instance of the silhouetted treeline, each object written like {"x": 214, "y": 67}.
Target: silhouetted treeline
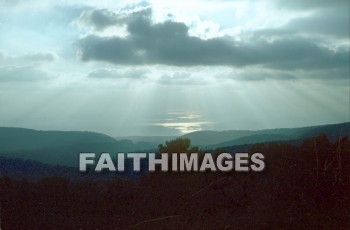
{"x": 305, "y": 187}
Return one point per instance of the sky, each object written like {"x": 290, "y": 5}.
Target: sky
{"x": 155, "y": 68}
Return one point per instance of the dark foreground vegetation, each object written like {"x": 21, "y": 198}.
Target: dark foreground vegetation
{"x": 303, "y": 187}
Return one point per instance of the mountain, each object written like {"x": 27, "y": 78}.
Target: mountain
{"x": 60, "y": 147}
{"x": 216, "y": 139}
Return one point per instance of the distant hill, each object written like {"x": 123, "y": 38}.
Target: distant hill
{"x": 216, "y": 139}
{"x": 207, "y": 138}
{"x": 154, "y": 141}
{"x": 60, "y": 147}
{"x": 12, "y": 139}
{"x": 63, "y": 147}
{"x": 253, "y": 139}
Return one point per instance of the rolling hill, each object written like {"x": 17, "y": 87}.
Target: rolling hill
{"x": 154, "y": 141}
{"x": 60, "y": 147}
{"x": 216, "y": 139}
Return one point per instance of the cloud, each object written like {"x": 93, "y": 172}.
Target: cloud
{"x": 332, "y": 22}
{"x": 30, "y": 58}
{"x": 99, "y": 19}
{"x": 329, "y": 21}
{"x": 311, "y": 4}
{"x": 38, "y": 57}
{"x": 284, "y": 75}
{"x": 168, "y": 43}
{"x": 22, "y": 74}
{"x": 9, "y": 3}
{"x": 181, "y": 78}
{"x": 118, "y": 74}
{"x": 259, "y": 75}
{"x": 324, "y": 17}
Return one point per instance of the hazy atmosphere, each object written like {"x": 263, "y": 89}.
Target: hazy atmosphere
{"x": 165, "y": 68}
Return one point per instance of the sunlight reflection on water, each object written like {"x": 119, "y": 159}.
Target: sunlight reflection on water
{"x": 185, "y": 122}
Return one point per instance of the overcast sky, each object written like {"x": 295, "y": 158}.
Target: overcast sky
{"x": 169, "y": 67}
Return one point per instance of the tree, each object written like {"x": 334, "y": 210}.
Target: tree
{"x": 179, "y": 145}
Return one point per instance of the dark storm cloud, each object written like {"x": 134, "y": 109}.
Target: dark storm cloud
{"x": 22, "y": 74}
{"x": 168, "y": 43}
{"x": 99, "y": 19}
{"x": 300, "y": 53}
